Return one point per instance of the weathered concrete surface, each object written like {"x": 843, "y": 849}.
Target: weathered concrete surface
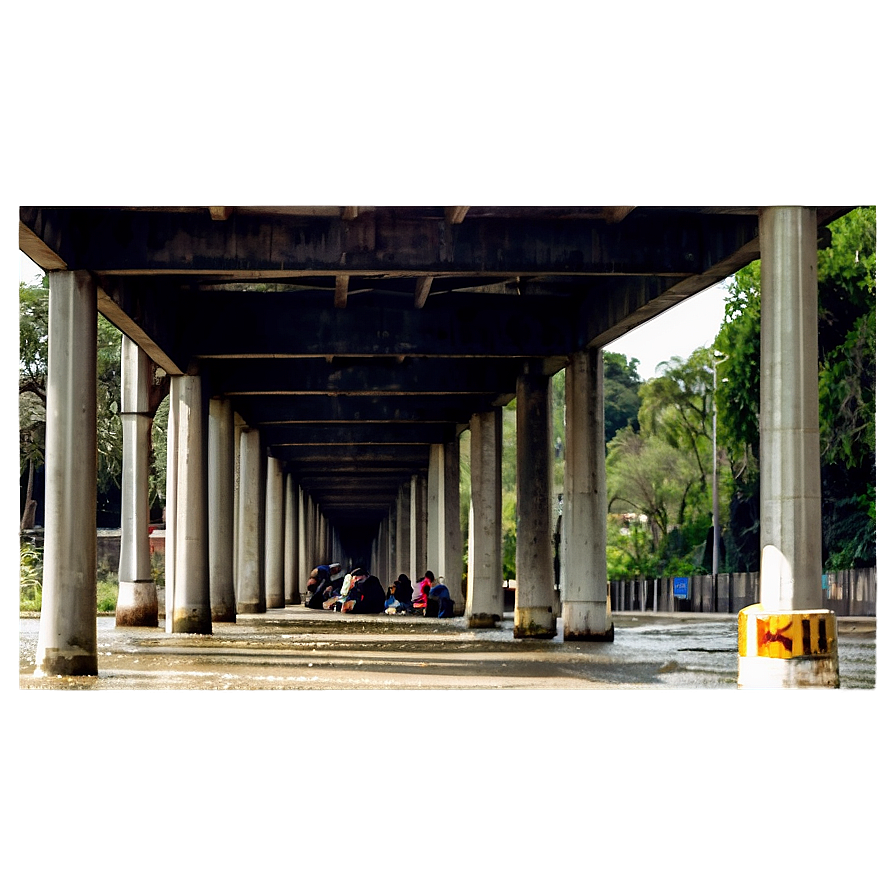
{"x": 295, "y": 648}
{"x": 67, "y": 637}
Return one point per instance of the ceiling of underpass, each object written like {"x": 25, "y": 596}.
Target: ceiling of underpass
{"x": 355, "y": 337}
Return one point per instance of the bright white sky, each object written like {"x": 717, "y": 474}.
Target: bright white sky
{"x": 678, "y": 331}
{"x": 691, "y": 324}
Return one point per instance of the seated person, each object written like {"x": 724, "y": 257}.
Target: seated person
{"x": 403, "y": 592}
{"x": 421, "y": 593}
{"x": 366, "y": 595}
{"x": 445, "y": 607}
{"x": 319, "y": 587}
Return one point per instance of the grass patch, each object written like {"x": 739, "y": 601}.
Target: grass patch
{"x": 31, "y": 571}
{"x": 106, "y": 594}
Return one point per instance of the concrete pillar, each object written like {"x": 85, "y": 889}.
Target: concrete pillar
{"x": 174, "y": 391}
{"x": 418, "y": 528}
{"x": 291, "y": 587}
{"x": 453, "y": 565}
{"x": 435, "y": 510}
{"x": 137, "y": 604}
{"x": 67, "y": 643}
{"x": 220, "y": 510}
{"x": 238, "y": 427}
{"x": 192, "y": 607}
{"x": 586, "y": 613}
{"x": 304, "y": 550}
{"x": 534, "y": 612}
{"x": 485, "y": 579}
{"x": 787, "y": 640}
{"x": 403, "y": 532}
{"x": 444, "y": 555}
{"x": 250, "y": 581}
{"x": 320, "y": 551}
{"x": 388, "y": 575}
{"x": 274, "y": 557}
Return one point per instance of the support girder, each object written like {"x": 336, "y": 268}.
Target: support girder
{"x": 236, "y": 325}
{"x": 358, "y": 376}
{"x": 361, "y": 409}
{"x": 286, "y": 434}
{"x": 118, "y": 240}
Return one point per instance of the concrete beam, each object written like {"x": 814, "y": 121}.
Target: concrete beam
{"x": 282, "y": 409}
{"x": 353, "y": 376}
{"x": 285, "y": 434}
{"x": 116, "y": 240}
{"x": 228, "y": 325}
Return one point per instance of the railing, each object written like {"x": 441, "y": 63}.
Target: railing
{"x": 851, "y": 592}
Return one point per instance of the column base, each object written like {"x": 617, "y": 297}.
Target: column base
{"x": 787, "y": 650}
{"x": 224, "y": 613}
{"x": 249, "y": 608}
{"x": 56, "y": 663}
{"x": 274, "y": 602}
{"x": 587, "y": 621}
{"x": 137, "y": 605}
{"x": 483, "y": 620}
{"x": 192, "y": 621}
{"x": 534, "y": 622}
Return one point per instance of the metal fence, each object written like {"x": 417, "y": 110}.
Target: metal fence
{"x": 851, "y": 592}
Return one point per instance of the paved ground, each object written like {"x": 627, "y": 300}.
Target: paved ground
{"x": 298, "y": 649}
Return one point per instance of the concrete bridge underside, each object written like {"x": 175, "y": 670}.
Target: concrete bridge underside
{"x": 323, "y": 362}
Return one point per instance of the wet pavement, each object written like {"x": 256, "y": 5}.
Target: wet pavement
{"x": 299, "y": 649}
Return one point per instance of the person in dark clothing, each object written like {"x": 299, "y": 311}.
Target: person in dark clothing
{"x": 366, "y": 595}
{"x": 441, "y": 594}
{"x": 404, "y": 593}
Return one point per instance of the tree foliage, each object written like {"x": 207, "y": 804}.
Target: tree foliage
{"x": 658, "y": 487}
{"x": 621, "y": 401}
{"x": 846, "y": 385}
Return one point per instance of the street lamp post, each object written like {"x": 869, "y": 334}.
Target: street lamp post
{"x": 716, "y": 540}
{"x": 715, "y": 477}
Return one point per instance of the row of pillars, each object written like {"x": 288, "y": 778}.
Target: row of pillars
{"x": 239, "y": 537}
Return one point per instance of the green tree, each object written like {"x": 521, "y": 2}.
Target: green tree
{"x": 621, "y": 400}
{"x": 33, "y": 344}
{"x": 846, "y": 354}
{"x": 33, "y": 360}
{"x": 677, "y": 407}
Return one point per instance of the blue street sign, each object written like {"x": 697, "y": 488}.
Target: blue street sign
{"x": 680, "y": 586}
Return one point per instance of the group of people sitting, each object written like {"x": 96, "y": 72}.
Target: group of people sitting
{"x": 361, "y": 592}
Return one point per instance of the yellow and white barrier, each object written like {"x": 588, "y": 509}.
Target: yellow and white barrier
{"x": 787, "y": 649}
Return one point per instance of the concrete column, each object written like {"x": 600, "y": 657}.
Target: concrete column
{"x": 586, "y": 613}
{"x": 291, "y": 542}
{"x": 174, "y": 392}
{"x": 192, "y": 612}
{"x": 304, "y": 551}
{"x": 534, "y": 614}
{"x": 250, "y": 581}
{"x": 452, "y": 566}
{"x": 417, "y": 536}
{"x": 403, "y": 532}
{"x": 320, "y": 547}
{"x": 220, "y": 510}
{"x": 238, "y": 427}
{"x": 787, "y": 640}
{"x": 274, "y": 557}
{"x": 137, "y": 604}
{"x": 485, "y": 580}
{"x": 67, "y": 643}
{"x": 435, "y": 510}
